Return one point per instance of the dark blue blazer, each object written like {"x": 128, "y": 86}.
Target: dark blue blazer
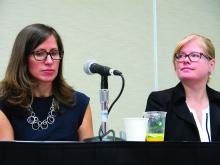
{"x": 180, "y": 124}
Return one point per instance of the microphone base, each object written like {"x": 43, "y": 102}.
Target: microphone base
{"x": 104, "y": 139}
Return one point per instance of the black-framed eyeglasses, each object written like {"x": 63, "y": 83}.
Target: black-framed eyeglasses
{"x": 41, "y": 55}
{"x": 193, "y": 56}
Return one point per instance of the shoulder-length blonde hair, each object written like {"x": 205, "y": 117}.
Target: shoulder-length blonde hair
{"x": 204, "y": 42}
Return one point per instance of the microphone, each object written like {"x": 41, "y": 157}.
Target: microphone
{"x": 90, "y": 67}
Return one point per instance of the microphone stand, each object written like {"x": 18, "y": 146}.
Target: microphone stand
{"x": 104, "y": 100}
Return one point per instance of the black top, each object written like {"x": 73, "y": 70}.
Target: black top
{"x": 64, "y": 128}
{"x": 180, "y": 123}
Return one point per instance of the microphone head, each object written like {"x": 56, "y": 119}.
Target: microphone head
{"x": 87, "y": 65}
{"x": 91, "y": 67}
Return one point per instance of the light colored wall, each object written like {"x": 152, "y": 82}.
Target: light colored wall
{"x": 116, "y": 33}
{"x": 176, "y": 19}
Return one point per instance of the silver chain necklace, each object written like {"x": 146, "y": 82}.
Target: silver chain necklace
{"x": 34, "y": 121}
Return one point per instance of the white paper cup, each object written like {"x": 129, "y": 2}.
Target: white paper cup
{"x": 135, "y": 128}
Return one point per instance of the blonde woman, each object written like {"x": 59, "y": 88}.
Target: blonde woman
{"x": 193, "y": 108}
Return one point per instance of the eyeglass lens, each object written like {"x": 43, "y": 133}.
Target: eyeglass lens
{"x": 194, "y": 56}
{"x": 42, "y": 54}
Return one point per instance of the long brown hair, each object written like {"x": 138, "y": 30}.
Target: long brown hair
{"x": 16, "y": 87}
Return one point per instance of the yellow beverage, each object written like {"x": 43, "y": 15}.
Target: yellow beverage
{"x": 155, "y": 137}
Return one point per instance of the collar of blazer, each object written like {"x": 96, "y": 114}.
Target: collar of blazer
{"x": 181, "y": 109}
{"x": 179, "y": 93}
